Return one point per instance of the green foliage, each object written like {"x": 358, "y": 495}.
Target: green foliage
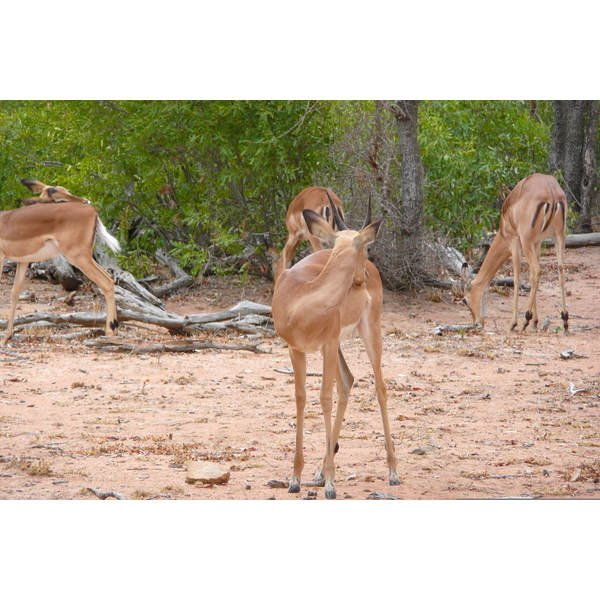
{"x": 211, "y": 180}
{"x": 185, "y": 174}
{"x": 473, "y": 152}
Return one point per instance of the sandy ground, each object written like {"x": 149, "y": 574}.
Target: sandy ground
{"x": 474, "y": 415}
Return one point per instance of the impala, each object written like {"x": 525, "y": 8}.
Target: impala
{"x": 42, "y": 231}
{"x": 48, "y": 193}
{"x": 535, "y": 210}
{"x": 321, "y": 300}
{"x": 312, "y": 198}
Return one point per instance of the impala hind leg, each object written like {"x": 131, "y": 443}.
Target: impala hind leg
{"x": 344, "y": 380}
{"x": 373, "y": 348}
{"x": 299, "y": 365}
{"x": 560, "y": 251}
{"x": 105, "y": 282}
{"x": 14, "y": 298}
{"x": 533, "y": 258}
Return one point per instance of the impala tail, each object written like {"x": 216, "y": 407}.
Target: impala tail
{"x": 106, "y": 237}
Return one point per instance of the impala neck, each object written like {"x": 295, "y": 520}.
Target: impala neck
{"x": 341, "y": 271}
{"x": 497, "y": 255}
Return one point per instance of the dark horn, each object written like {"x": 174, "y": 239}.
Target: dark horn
{"x": 369, "y": 216}
{"x": 339, "y": 222}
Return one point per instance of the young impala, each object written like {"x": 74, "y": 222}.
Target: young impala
{"x": 535, "y": 210}
{"x": 312, "y": 198}
{"x": 317, "y": 303}
{"x": 42, "y": 231}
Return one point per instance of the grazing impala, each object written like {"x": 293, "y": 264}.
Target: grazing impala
{"x": 48, "y": 193}
{"x": 535, "y": 210}
{"x": 312, "y": 198}
{"x": 318, "y": 302}
{"x": 42, "y": 231}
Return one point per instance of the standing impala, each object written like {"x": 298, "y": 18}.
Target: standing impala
{"x": 42, "y": 231}
{"x": 535, "y": 210}
{"x": 318, "y": 302}
{"x": 313, "y": 198}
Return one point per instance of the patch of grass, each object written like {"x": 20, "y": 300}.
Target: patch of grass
{"x": 561, "y": 490}
{"x": 140, "y": 494}
{"x": 170, "y": 489}
{"x": 34, "y": 468}
{"x": 436, "y": 410}
{"x": 85, "y": 386}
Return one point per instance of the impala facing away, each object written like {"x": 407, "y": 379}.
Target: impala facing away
{"x": 48, "y": 193}
{"x": 535, "y": 210}
{"x": 313, "y": 198}
{"x": 317, "y": 303}
{"x": 42, "y": 231}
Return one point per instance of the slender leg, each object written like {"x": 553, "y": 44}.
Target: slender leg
{"x": 14, "y": 298}
{"x": 532, "y": 254}
{"x": 344, "y": 380}
{"x": 516, "y": 257}
{"x": 299, "y": 365}
{"x": 104, "y": 281}
{"x": 560, "y": 251}
{"x": 372, "y": 340}
{"x": 330, "y": 358}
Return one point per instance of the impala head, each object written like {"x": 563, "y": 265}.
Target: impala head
{"x": 49, "y": 194}
{"x": 474, "y": 298}
{"x": 345, "y": 238}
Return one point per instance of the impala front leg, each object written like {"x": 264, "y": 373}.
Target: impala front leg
{"x": 330, "y": 359}
{"x": 14, "y": 298}
{"x": 299, "y": 365}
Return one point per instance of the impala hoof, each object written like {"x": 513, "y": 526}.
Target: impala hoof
{"x": 330, "y": 491}
{"x": 294, "y": 488}
{"x": 394, "y": 479}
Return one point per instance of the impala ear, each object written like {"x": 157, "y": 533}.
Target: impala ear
{"x": 369, "y": 233}
{"x": 319, "y": 227}
{"x": 37, "y": 187}
{"x": 466, "y": 273}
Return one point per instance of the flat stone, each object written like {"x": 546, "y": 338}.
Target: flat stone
{"x": 206, "y": 473}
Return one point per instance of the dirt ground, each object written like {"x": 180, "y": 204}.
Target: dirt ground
{"x": 474, "y": 414}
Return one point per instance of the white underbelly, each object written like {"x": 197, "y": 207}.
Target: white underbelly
{"x": 48, "y": 250}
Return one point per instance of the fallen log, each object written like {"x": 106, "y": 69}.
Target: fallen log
{"x": 175, "y": 324}
{"x": 578, "y": 240}
{"x": 116, "y": 345}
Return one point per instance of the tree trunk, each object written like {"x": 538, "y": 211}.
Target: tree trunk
{"x": 559, "y": 133}
{"x": 574, "y": 152}
{"x": 412, "y": 193}
{"x": 590, "y": 168}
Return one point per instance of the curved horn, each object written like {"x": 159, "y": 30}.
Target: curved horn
{"x": 369, "y": 216}
{"x": 339, "y": 222}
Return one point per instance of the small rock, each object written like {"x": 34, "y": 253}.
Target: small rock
{"x": 207, "y": 473}
{"x": 424, "y": 450}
